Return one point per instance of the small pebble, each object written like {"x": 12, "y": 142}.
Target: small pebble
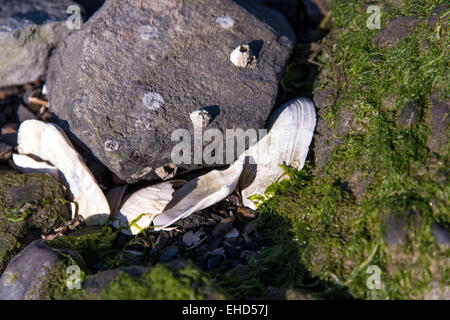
{"x": 234, "y": 233}
{"x": 169, "y": 253}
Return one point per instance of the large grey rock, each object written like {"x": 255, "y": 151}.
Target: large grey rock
{"x": 136, "y": 70}
{"x": 29, "y": 30}
{"x": 29, "y": 272}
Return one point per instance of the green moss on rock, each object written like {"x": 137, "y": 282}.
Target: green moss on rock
{"x": 372, "y": 162}
{"x": 30, "y": 204}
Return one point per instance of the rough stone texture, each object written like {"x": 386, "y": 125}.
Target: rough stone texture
{"x": 438, "y": 115}
{"x": 29, "y": 205}
{"x": 395, "y": 230}
{"x": 136, "y": 70}
{"x": 441, "y": 234}
{"x": 438, "y": 14}
{"x": 29, "y": 272}
{"x": 396, "y": 30}
{"x": 29, "y": 31}
{"x": 98, "y": 282}
{"x": 409, "y": 115}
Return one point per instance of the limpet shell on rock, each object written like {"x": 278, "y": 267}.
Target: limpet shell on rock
{"x": 241, "y": 56}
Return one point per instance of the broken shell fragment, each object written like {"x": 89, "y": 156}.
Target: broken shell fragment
{"x": 198, "y": 194}
{"x": 26, "y": 164}
{"x": 241, "y": 56}
{"x": 48, "y": 142}
{"x": 291, "y": 129}
{"x": 200, "y": 118}
{"x": 139, "y": 210}
{"x": 287, "y": 143}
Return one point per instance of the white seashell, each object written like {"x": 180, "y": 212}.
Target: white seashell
{"x": 49, "y": 143}
{"x": 241, "y": 56}
{"x": 199, "y": 193}
{"x": 26, "y": 164}
{"x": 287, "y": 143}
{"x": 139, "y": 210}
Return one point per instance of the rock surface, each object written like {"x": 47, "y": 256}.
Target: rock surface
{"x": 396, "y": 30}
{"x": 142, "y": 68}
{"x": 29, "y": 31}
{"x": 439, "y": 123}
{"x": 29, "y": 205}
{"x": 29, "y": 272}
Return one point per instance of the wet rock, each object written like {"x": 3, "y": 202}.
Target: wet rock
{"x": 30, "y": 272}
{"x": 316, "y": 9}
{"x": 195, "y": 220}
{"x": 29, "y": 30}
{"x": 95, "y": 284}
{"x": 438, "y": 14}
{"x": 223, "y": 227}
{"x": 5, "y": 151}
{"x": 30, "y": 204}
{"x": 231, "y": 251}
{"x": 234, "y": 233}
{"x": 247, "y": 213}
{"x": 325, "y": 138}
{"x": 8, "y": 134}
{"x": 132, "y": 67}
{"x": 395, "y": 230}
{"x": 409, "y": 115}
{"x": 24, "y": 114}
{"x": 190, "y": 238}
{"x": 358, "y": 184}
{"x": 441, "y": 234}
{"x": 395, "y": 31}
{"x": 438, "y": 116}
{"x": 169, "y": 253}
{"x": 213, "y": 262}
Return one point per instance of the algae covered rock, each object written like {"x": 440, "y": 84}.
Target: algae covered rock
{"x": 29, "y": 31}
{"x": 30, "y": 204}
{"x": 142, "y": 68}
{"x": 30, "y": 272}
{"x": 175, "y": 281}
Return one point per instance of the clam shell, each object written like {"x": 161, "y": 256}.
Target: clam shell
{"x": 48, "y": 142}
{"x": 139, "y": 210}
{"x": 291, "y": 129}
{"x": 199, "y": 193}
{"x": 26, "y": 164}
